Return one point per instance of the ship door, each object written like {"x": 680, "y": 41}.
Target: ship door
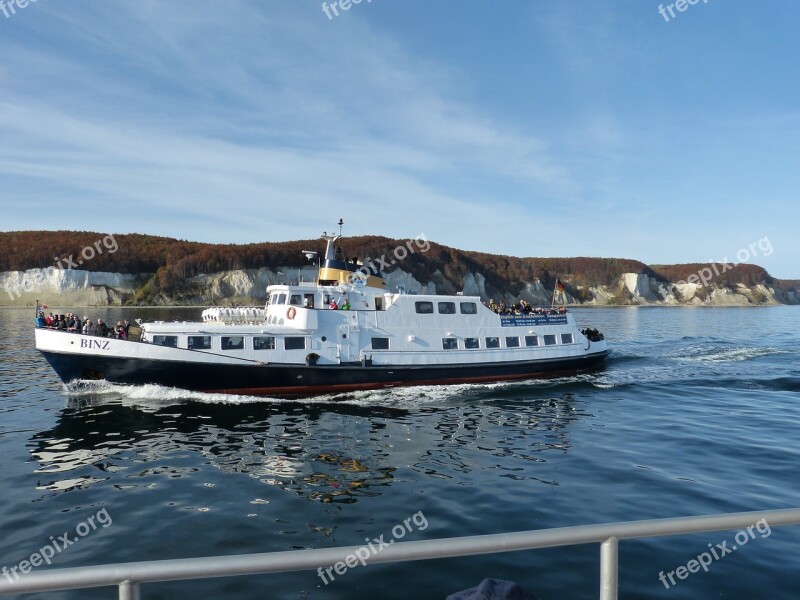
{"x": 348, "y": 343}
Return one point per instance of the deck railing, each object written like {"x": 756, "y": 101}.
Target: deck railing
{"x": 129, "y": 577}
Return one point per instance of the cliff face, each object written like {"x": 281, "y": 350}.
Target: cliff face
{"x": 73, "y": 287}
{"x": 248, "y": 286}
{"x": 113, "y": 269}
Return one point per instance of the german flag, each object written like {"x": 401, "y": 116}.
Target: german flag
{"x": 558, "y": 290}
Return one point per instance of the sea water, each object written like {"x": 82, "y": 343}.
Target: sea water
{"x": 695, "y": 413}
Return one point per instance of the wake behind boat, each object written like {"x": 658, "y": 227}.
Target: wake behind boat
{"x": 345, "y": 331}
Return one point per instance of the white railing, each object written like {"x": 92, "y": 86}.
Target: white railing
{"x": 129, "y": 577}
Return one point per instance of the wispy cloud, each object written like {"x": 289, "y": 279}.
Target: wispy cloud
{"x": 254, "y": 116}
{"x": 245, "y": 121}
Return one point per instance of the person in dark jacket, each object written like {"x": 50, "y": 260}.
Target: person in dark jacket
{"x": 101, "y": 329}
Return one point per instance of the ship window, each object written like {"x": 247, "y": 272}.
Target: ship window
{"x": 450, "y": 343}
{"x": 380, "y": 343}
{"x": 492, "y": 342}
{"x": 296, "y": 300}
{"x": 294, "y": 343}
{"x": 232, "y": 342}
{"x": 170, "y": 341}
{"x": 549, "y": 340}
{"x": 424, "y": 308}
{"x": 281, "y": 299}
{"x": 469, "y": 308}
{"x": 199, "y": 342}
{"x": 264, "y": 343}
{"x": 471, "y": 343}
{"x": 531, "y": 340}
{"x": 566, "y": 338}
{"x": 512, "y": 342}
{"x": 447, "y": 308}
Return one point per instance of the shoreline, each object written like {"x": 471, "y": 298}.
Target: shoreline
{"x": 202, "y": 306}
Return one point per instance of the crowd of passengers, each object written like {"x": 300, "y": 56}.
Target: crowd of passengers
{"x": 522, "y": 308}
{"x": 72, "y": 323}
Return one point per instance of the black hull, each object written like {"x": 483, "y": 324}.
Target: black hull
{"x": 301, "y": 380}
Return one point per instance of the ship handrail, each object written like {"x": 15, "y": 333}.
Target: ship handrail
{"x": 129, "y": 577}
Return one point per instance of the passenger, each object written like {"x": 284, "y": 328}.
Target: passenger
{"x": 101, "y": 329}
{"x": 127, "y": 325}
{"x": 346, "y": 305}
{"x": 334, "y": 305}
{"x": 40, "y": 320}
{"x": 61, "y": 323}
{"x": 49, "y": 320}
{"x": 88, "y": 328}
{"x": 119, "y": 331}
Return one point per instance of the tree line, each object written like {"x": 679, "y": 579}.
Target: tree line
{"x": 172, "y": 261}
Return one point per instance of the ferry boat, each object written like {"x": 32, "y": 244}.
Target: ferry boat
{"x": 342, "y": 332}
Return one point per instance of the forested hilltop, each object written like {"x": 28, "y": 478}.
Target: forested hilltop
{"x": 167, "y": 270}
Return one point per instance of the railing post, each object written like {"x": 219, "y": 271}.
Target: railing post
{"x": 609, "y": 569}
{"x": 129, "y": 590}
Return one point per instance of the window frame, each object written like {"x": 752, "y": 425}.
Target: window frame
{"x": 512, "y": 337}
{"x": 380, "y": 339}
{"x": 420, "y": 303}
{"x": 264, "y": 337}
{"x": 550, "y": 336}
{"x": 222, "y": 343}
{"x": 164, "y": 337}
{"x": 448, "y": 305}
{"x": 474, "y": 310}
{"x": 449, "y": 343}
{"x": 492, "y": 345}
{"x": 295, "y": 337}
{"x": 535, "y": 338}
{"x": 468, "y": 343}
{"x": 190, "y": 346}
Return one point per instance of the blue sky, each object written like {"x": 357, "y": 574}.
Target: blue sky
{"x": 538, "y": 128}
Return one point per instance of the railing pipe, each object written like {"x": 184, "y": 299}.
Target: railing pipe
{"x": 297, "y": 560}
{"x": 609, "y": 569}
{"x": 129, "y": 590}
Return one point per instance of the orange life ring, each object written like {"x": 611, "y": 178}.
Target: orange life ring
{"x": 291, "y": 312}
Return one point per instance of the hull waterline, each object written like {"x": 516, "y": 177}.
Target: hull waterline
{"x": 302, "y": 380}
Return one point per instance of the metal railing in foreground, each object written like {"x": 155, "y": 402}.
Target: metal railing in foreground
{"x": 129, "y": 577}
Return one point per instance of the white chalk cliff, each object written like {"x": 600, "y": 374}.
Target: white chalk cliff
{"x": 85, "y": 288}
